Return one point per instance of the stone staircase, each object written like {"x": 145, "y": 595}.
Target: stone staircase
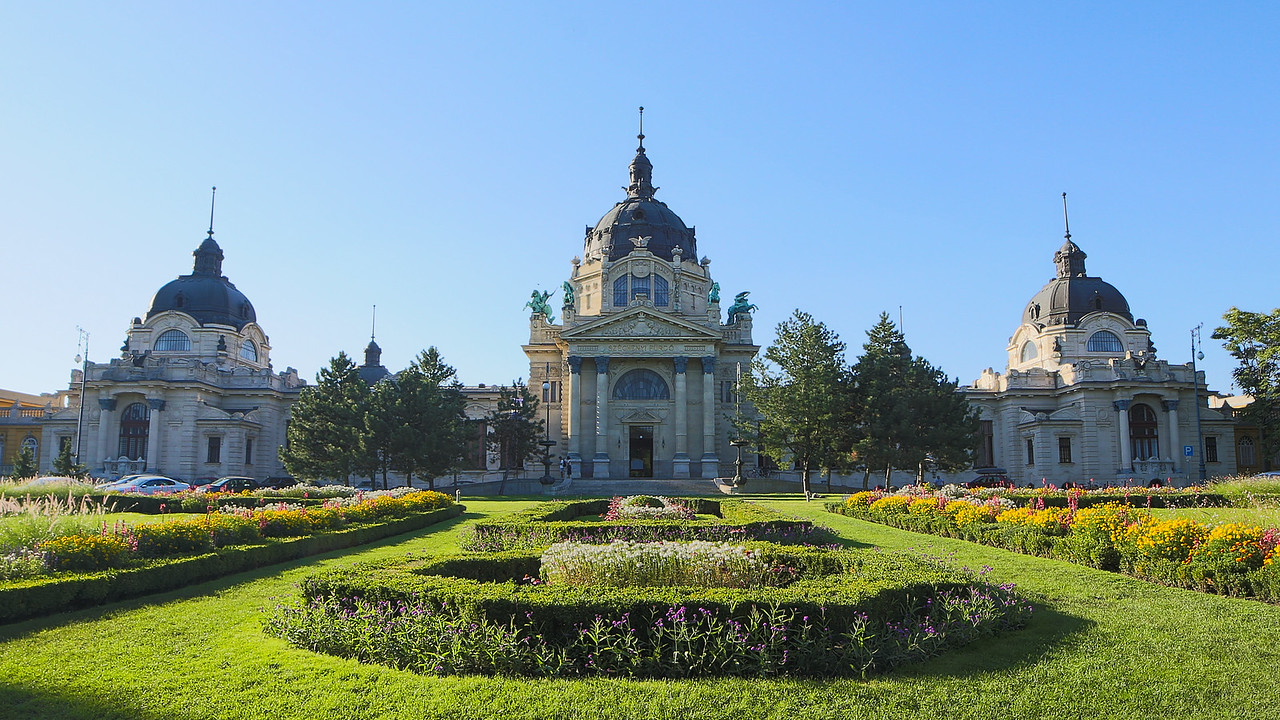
{"x": 590, "y": 487}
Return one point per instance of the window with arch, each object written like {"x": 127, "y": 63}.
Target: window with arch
{"x": 1029, "y": 351}
{"x": 134, "y": 428}
{"x": 171, "y": 340}
{"x": 32, "y": 444}
{"x": 661, "y": 291}
{"x": 249, "y": 350}
{"x": 640, "y": 286}
{"x": 1104, "y": 341}
{"x": 641, "y": 384}
{"x": 620, "y": 292}
{"x": 1142, "y": 432}
{"x": 1245, "y": 452}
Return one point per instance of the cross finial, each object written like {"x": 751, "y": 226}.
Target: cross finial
{"x": 212, "y": 197}
{"x": 641, "y": 135}
{"x": 1065, "y": 222}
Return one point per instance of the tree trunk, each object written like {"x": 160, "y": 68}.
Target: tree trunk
{"x": 804, "y": 480}
{"x": 888, "y": 477}
{"x": 866, "y": 478}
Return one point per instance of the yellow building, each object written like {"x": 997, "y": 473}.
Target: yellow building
{"x": 21, "y": 424}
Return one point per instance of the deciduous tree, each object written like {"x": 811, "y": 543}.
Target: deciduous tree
{"x": 1253, "y": 339}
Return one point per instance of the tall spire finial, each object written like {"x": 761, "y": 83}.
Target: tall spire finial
{"x": 212, "y": 197}
{"x": 373, "y": 327}
{"x": 1065, "y": 221}
{"x": 641, "y": 135}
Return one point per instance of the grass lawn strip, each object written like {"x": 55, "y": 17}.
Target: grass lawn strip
{"x": 1099, "y": 645}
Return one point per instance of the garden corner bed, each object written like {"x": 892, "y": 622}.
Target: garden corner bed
{"x": 604, "y": 605}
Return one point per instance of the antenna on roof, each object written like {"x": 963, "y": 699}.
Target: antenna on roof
{"x": 641, "y": 135}
{"x": 212, "y": 197}
{"x": 1064, "y": 216}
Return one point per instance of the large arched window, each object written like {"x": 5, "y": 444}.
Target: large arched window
{"x": 620, "y": 292}
{"x": 172, "y": 340}
{"x": 661, "y": 293}
{"x": 1142, "y": 432}
{"x": 32, "y": 444}
{"x": 134, "y": 427}
{"x": 641, "y": 384}
{"x": 640, "y": 285}
{"x": 1029, "y": 351}
{"x": 249, "y": 351}
{"x": 1245, "y": 454}
{"x": 1104, "y": 341}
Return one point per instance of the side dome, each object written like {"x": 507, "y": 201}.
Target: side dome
{"x": 1073, "y": 294}
{"x": 638, "y": 217}
{"x": 205, "y": 294}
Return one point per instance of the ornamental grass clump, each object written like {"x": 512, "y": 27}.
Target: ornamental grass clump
{"x": 624, "y": 563}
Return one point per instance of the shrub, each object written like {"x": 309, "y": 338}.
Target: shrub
{"x": 623, "y": 563}
{"x": 176, "y": 537}
{"x": 87, "y": 553}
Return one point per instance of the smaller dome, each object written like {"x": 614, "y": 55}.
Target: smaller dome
{"x": 1073, "y": 294}
{"x": 205, "y": 294}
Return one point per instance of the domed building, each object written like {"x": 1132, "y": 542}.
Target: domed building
{"x": 193, "y": 394}
{"x": 640, "y": 372}
{"x": 1084, "y": 395}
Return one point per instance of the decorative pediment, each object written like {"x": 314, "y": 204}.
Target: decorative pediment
{"x": 642, "y": 324}
{"x": 642, "y": 416}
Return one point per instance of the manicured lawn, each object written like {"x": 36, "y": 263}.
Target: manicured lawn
{"x": 1100, "y": 645}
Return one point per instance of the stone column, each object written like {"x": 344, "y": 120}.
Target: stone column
{"x": 680, "y": 462}
{"x": 710, "y": 458}
{"x": 1126, "y": 451}
{"x": 575, "y": 409}
{"x": 1175, "y": 443}
{"x": 153, "y": 434}
{"x": 600, "y": 463}
{"x": 108, "y": 406}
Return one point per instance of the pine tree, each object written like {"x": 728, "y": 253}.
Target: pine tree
{"x": 428, "y": 420}
{"x": 514, "y": 427}
{"x": 65, "y": 466}
{"x": 24, "y": 465}
{"x": 324, "y": 436}
{"x": 799, "y": 390}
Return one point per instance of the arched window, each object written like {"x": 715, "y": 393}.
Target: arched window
{"x": 620, "y": 292}
{"x": 1029, "y": 351}
{"x": 134, "y": 427}
{"x": 1142, "y": 432}
{"x": 249, "y": 351}
{"x": 1245, "y": 454}
{"x": 661, "y": 293}
{"x": 172, "y": 340}
{"x": 1104, "y": 341}
{"x": 640, "y": 286}
{"x": 641, "y": 384}
{"x": 32, "y": 444}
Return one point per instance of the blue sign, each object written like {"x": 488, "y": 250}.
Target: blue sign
{"x": 1188, "y": 450}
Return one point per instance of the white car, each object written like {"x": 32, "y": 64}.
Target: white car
{"x": 146, "y": 485}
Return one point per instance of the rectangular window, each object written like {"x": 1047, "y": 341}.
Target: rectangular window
{"x": 552, "y": 393}
{"x": 1211, "y": 449}
{"x": 215, "y": 450}
{"x": 64, "y": 444}
{"x": 727, "y": 395}
{"x": 661, "y": 293}
{"x": 248, "y": 451}
{"x": 1031, "y": 451}
{"x": 1064, "y": 450}
{"x": 986, "y": 455}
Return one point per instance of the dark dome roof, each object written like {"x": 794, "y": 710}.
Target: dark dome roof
{"x": 640, "y": 216}
{"x": 205, "y": 294}
{"x": 1073, "y": 294}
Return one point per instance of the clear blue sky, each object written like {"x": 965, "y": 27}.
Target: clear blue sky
{"x": 441, "y": 160}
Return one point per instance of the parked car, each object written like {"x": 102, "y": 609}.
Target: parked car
{"x": 1268, "y": 474}
{"x": 990, "y": 478}
{"x": 230, "y": 484}
{"x": 146, "y": 485}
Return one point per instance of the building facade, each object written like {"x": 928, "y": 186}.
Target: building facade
{"x": 1084, "y": 396}
{"x": 640, "y": 374}
{"x": 193, "y": 393}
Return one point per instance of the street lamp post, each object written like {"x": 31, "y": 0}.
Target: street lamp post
{"x": 1197, "y": 354}
{"x": 737, "y": 442}
{"x": 547, "y": 443}
{"x": 84, "y": 375}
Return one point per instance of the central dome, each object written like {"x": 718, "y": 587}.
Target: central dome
{"x": 205, "y": 294}
{"x": 1067, "y": 298}
{"x": 641, "y": 218}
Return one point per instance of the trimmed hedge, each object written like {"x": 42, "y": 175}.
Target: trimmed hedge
{"x": 53, "y": 594}
{"x": 551, "y": 522}
{"x": 841, "y": 586}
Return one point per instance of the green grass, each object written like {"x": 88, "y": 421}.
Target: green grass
{"x": 1100, "y": 645}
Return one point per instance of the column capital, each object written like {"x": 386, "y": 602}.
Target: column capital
{"x": 1122, "y": 405}
{"x": 1171, "y": 405}
{"x": 155, "y": 403}
{"x": 602, "y": 364}
{"x": 575, "y": 364}
{"x": 709, "y": 364}
{"x": 108, "y": 404}
{"x": 681, "y": 363}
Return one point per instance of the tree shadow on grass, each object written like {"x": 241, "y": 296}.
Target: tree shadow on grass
{"x": 19, "y": 703}
{"x": 20, "y": 629}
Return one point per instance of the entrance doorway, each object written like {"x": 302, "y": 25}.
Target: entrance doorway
{"x": 641, "y": 455}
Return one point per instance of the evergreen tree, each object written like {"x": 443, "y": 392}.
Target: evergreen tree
{"x": 324, "y": 435}
{"x": 24, "y": 465}
{"x": 1253, "y": 339}
{"x": 514, "y": 427}
{"x": 65, "y": 466}
{"x": 905, "y": 411}
{"x": 428, "y": 423}
{"x": 799, "y": 390}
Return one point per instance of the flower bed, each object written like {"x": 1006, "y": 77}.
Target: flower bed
{"x": 623, "y": 563}
{"x": 1233, "y": 559}
{"x": 837, "y": 612}
{"x": 551, "y": 522}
